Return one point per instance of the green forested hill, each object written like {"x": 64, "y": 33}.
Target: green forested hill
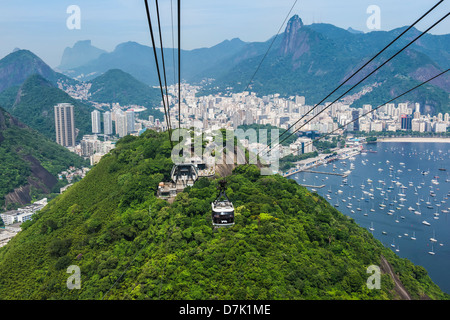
{"x": 27, "y": 157}
{"x": 17, "y": 66}
{"x": 118, "y": 86}
{"x": 287, "y": 242}
{"x": 311, "y": 60}
{"x": 34, "y": 105}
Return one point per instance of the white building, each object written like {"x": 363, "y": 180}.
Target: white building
{"x": 376, "y": 126}
{"x": 107, "y": 123}
{"x": 121, "y": 124}
{"x": 96, "y": 123}
{"x": 301, "y": 146}
{"x": 440, "y": 127}
{"x": 9, "y": 217}
{"x": 22, "y": 214}
{"x": 130, "y": 120}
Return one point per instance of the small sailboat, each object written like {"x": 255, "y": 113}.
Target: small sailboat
{"x": 432, "y": 251}
{"x": 413, "y": 237}
{"x": 433, "y": 238}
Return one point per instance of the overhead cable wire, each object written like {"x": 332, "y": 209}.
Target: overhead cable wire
{"x": 270, "y": 46}
{"x": 365, "y": 64}
{"x": 163, "y": 61}
{"x": 173, "y": 44}
{"x": 381, "y": 105}
{"x": 179, "y": 63}
{"x": 372, "y": 72}
{"x": 157, "y": 69}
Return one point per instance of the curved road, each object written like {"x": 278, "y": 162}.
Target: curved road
{"x": 399, "y": 288}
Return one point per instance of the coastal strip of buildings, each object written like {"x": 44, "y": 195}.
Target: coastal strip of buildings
{"x": 14, "y": 218}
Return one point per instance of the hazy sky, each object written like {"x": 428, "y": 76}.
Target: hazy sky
{"x": 40, "y": 25}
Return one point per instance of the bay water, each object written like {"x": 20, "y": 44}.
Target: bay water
{"x": 400, "y": 192}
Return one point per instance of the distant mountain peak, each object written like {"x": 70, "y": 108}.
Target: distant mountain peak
{"x": 82, "y": 44}
{"x": 128, "y": 45}
{"x": 17, "y": 66}
{"x": 294, "y": 24}
{"x": 295, "y": 40}
{"x": 82, "y": 52}
{"x": 351, "y": 30}
{"x": 238, "y": 40}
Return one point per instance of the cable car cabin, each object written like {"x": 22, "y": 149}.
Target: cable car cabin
{"x": 222, "y": 213}
{"x": 222, "y": 208}
{"x": 186, "y": 174}
{"x": 182, "y": 175}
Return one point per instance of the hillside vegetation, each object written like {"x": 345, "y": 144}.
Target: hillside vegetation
{"x": 287, "y": 243}
{"x": 19, "y": 147}
{"x": 34, "y": 105}
{"x": 117, "y": 86}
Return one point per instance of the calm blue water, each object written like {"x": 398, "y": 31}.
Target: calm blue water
{"x": 397, "y": 164}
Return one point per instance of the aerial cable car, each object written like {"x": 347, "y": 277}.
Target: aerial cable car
{"x": 222, "y": 208}
{"x": 185, "y": 174}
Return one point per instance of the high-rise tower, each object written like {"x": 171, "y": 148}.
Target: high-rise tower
{"x": 96, "y": 122}
{"x": 107, "y": 123}
{"x": 65, "y": 124}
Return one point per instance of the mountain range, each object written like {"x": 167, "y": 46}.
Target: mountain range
{"x": 309, "y": 60}
{"x": 138, "y": 60}
{"x": 81, "y": 53}
{"x": 29, "y": 89}
{"x": 30, "y": 95}
{"x": 287, "y": 243}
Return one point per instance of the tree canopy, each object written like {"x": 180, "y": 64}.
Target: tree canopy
{"x": 287, "y": 243}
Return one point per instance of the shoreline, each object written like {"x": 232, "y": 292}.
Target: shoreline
{"x": 415, "y": 139}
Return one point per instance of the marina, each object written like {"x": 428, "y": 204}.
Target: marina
{"x": 399, "y": 192}
{"x": 315, "y": 187}
{"x": 307, "y": 164}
